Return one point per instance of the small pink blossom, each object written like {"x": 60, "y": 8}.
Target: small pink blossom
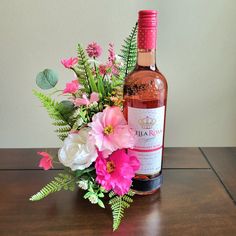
{"x": 94, "y": 50}
{"x": 111, "y": 52}
{"x": 68, "y": 63}
{"x": 113, "y": 68}
{"x": 116, "y": 172}
{"x": 111, "y": 131}
{"x": 72, "y": 87}
{"x": 112, "y": 60}
{"x": 45, "y": 161}
{"x": 94, "y": 97}
{"x": 103, "y": 69}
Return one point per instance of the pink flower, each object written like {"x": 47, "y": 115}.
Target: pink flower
{"x": 94, "y": 50}
{"x": 113, "y": 68}
{"x": 45, "y": 161}
{"x": 103, "y": 69}
{"x": 112, "y": 55}
{"x": 111, "y": 131}
{"x": 68, "y": 63}
{"x": 94, "y": 97}
{"x": 116, "y": 171}
{"x": 112, "y": 60}
{"x": 71, "y": 87}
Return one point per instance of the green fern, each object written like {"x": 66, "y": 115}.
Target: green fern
{"x": 129, "y": 52}
{"x": 84, "y": 72}
{"x": 52, "y": 108}
{"x": 62, "y": 181}
{"x": 118, "y": 206}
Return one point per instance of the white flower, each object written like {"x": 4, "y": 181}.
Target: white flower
{"x": 119, "y": 60}
{"x": 93, "y": 199}
{"x": 78, "y": 151}
{"x": 83, "y": 184}
{"x": 79, "y": 122}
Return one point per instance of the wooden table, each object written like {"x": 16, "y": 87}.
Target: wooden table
{"x": 197, "y": 198}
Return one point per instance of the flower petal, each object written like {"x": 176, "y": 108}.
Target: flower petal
{"x": 94, "y": 97}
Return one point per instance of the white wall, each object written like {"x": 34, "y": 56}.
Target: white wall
{"x": 196, "y": 52}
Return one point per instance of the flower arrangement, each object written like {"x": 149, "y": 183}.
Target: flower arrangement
{"x": 92, "y": 127}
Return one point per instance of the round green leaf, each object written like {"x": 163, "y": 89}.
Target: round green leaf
{"x": 46, "y": 79}
{"x": 66, "y": 107}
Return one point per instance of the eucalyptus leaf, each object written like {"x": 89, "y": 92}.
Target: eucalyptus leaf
{"x": 47, "y": 79}
{"x": 66, "y": 107}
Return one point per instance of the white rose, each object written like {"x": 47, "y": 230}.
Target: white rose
{"x": 78, "y": 151}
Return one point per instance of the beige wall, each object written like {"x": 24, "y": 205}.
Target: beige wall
{"x": 196, "y": 52}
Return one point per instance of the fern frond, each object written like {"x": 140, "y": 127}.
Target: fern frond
{"x": 64, "y": 129}
{"x": 118, "y": 206}
{"x": 60, "y": 182}
{"x": 60, "y": 123}
{"x": 129, "y": 52}
{"x": 84, "y": 72}
{"x": 52, "y": 108}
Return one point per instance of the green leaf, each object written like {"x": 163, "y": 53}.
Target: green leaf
{"x": 66, "y": 107}
{"x": 87, "y": 195}
{"x": 101, "y": 86}
{"x": 101, "y": 195}
{"x": 46, "y": 79}
{"x": 79, "y": 173}
{"x": 100, "y": 203}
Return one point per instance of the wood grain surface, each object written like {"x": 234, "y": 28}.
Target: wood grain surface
{"x": 223, "y": 162}
{"x": 23, "y": 158}
{"x": 192, "y": 201}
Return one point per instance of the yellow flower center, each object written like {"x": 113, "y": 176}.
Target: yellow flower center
{"x": 110, "y": 166}
{"x": 108, "y": 130}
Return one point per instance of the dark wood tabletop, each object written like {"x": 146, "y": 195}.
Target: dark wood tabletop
{"x": 197, "y": 198}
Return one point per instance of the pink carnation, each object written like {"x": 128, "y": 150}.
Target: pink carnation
{"x": 116, "y": 172}
{"x": 68, "y": 63}
{"x": 45, "y": 161}
{"x": 111, "y": 131}
{"x": 71, "y": 87}
{"x": 94, "y": 50}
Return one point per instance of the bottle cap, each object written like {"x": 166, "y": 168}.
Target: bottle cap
{"x": 147, "y": 29}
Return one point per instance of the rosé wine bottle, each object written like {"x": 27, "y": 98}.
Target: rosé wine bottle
{"x": 145, "y": 94}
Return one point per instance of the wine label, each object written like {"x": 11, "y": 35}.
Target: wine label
{"x": 148, "y": 125}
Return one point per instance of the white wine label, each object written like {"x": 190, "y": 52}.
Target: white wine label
{"x": 148, "y": 125}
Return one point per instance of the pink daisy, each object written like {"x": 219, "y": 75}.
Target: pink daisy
{"x": 111, "y": 131}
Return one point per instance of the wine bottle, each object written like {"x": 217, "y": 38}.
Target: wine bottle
{"x": 145, "y": 94}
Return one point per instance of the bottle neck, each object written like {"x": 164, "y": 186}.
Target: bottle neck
{"x": 146, "y": 58}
